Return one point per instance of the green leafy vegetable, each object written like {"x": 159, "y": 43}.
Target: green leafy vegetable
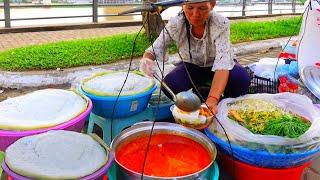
{"x": 286, "y": 126}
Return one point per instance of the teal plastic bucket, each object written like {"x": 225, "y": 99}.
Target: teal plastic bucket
{"x": 214, "y": 172}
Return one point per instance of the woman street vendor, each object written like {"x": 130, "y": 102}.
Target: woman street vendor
{"x": 203, "y": 39}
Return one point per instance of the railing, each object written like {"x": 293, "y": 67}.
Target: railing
{"x": 241, "y": 6}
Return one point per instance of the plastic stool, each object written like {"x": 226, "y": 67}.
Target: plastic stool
{"x": 118, "y": 124}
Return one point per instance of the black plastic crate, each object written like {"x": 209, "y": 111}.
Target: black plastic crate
{"x": 261, "y": 85}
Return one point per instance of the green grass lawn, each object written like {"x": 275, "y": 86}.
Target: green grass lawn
{"x": 252, "y": 31}
{"x": 110, "y": 49}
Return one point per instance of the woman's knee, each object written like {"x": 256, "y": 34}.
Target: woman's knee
{"x": 175, "y": 81}
{"x": 239, "y": 75}
{"x": 238, "y": 83}
{"x": 178, "y": 79}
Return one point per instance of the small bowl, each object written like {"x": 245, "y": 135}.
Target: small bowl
{"x": 208, "y": 121}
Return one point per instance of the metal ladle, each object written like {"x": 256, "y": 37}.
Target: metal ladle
{"x": 185, "y": 100}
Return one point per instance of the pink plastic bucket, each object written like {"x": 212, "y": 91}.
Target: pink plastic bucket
{"x": 95, "y": 176}
{"x": 76, "y": 124}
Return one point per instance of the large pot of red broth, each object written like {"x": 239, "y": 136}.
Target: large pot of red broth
{"x": 175, "y": 152}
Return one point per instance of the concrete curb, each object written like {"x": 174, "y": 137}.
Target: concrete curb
{"x": 74, "y": 76}
{"x": 256, "y": 46}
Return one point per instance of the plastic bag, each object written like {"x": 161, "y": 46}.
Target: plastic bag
{"x": 295, "y": 103}
{"x": 266, "y": 66}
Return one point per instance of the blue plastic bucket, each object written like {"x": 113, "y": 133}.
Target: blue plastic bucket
{"x": 162, "y": 111}
{"x": 160, "y": 106}
{"x": 125, "y": 106}
{"x": 263, "y": 158}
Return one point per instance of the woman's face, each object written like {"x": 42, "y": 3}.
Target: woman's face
{"x": 197, "y": 13}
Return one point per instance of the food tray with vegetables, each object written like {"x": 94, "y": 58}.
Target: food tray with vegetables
{"x": 269, "y": 130}
{"x": 263, "y": 117}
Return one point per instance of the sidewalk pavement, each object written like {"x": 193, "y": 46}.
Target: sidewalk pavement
{"x": 14, "y": 40}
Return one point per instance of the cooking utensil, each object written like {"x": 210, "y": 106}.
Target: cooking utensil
{"x": 185, "y": 100}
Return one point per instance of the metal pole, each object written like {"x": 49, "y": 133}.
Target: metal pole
{"x": 6, "y": 6}
{"x": 294, "y": 2}
{"x": 269, "y": 6}
{"x": 95, "y": 11}
{"x": 244, "y": 7}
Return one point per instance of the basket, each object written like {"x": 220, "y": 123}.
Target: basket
{"x": 76, "y": 124}
{"x": 261, "y": 85}
{"x": 262, "y": 158}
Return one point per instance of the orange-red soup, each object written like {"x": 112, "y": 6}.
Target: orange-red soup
{"x": 168, "y": 155}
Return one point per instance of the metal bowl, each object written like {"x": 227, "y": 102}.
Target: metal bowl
{"x": 143, "y": 129}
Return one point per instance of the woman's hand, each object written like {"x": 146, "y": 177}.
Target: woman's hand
{"x": 212, "y": 102}
{"x": 147, "y": 66}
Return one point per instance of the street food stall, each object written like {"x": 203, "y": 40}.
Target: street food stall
{"x": 265, "y": 135}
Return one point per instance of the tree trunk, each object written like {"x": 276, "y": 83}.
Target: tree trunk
{"x": 152, "y": 22}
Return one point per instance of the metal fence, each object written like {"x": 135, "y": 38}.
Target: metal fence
{"x": 243, "y": 7}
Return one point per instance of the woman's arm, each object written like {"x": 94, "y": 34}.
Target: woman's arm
{"x": 221, "y": 66}
{"x": 218, "y": 85}
{"x": 148, "y": 55}
{"x": 158, "y": 50}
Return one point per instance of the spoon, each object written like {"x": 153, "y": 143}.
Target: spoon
{"x": 185, "y": 100}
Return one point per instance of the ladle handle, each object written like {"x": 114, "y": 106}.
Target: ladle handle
{"x": 166, "y": 87}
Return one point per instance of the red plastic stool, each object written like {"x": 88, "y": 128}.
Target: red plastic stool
{"x": 243, "y": 171}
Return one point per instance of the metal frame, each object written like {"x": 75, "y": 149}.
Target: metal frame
{"x": 95, "y": 5}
